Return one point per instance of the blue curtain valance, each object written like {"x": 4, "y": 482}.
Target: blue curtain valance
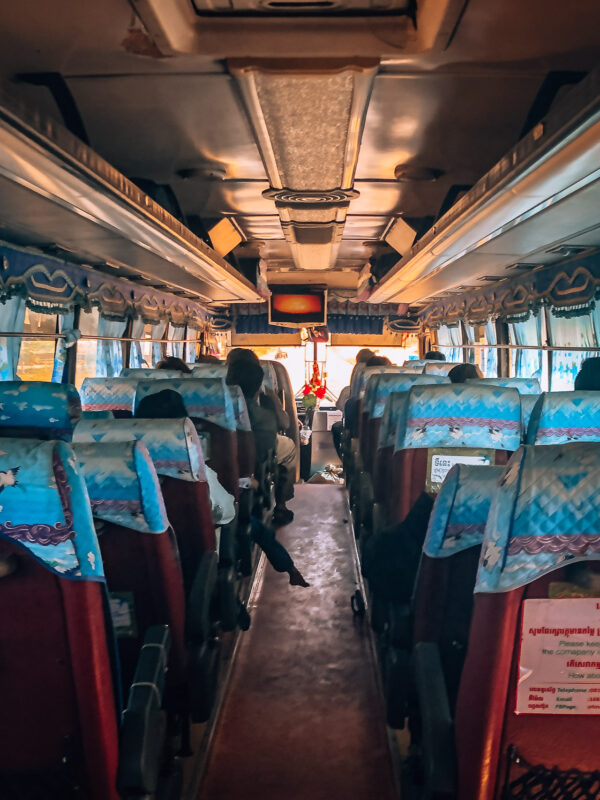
{"x": 52, "y": 286}
{"x": 568, "y": 288}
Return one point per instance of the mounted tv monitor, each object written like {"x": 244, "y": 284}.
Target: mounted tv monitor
{"x": 298, "y": 306}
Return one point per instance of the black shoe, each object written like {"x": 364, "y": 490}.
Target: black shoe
{"x": 244, "y": 619}
{"x": 282, "y": 516}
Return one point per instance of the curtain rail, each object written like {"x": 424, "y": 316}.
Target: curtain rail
{"x": 544, "y": 347}
{"x": 87, "y": 337}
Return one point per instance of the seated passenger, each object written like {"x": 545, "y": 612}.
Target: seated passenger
{"x": 169, "y": 405}
{"x": 266, "y": 417}
{"x": 588, "y": 377}
{"x": 173, "y": 362}
{"x": 337, "y": 428}
{"x": 434, "y": 355}
{"x": 464, "y": 372}
{"x": 378, "y": 361}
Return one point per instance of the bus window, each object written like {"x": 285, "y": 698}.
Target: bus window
{"x": 174, "y": 347}
{"x": 87, "y": 349}
{"x": 36, "y": 357}
{"x": 569, "y": 332}
{"x": 529, "y": 363}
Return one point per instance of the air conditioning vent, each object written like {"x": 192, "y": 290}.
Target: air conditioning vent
{"x": 567, "y": 250}
{"x": 308, "y": 7}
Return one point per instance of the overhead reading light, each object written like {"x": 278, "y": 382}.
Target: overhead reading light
{"x": 308, "y": 119}
{"x": 407, "y": 173}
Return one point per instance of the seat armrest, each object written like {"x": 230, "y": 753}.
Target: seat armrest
{"x": 143, "y": 725}
{"x": 199, "y": 621}
{"x": 437, "y": 727}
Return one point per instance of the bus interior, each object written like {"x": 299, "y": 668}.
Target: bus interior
{"x": 300, "y": 400}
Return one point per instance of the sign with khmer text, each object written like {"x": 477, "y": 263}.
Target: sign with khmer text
{"x": 559, "y": 666}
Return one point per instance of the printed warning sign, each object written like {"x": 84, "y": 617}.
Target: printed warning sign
{"x": 442, "y": 461}
{"x": 559, "y": 665}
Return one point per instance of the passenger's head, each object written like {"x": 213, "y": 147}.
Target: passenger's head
{"x": 247, "y": 374}
{"x": 588, "y": 377}
{"x": 241, "y": 354}
{"x": 172, "y": 362}
{"x": 167, "y": 404}
{"x": 205, "y": 358}
{"x": 364, "y": 355}
{"x": 434, "y": 355}
{"x": 464, "y": 372}
{"x": 378, "y": 361}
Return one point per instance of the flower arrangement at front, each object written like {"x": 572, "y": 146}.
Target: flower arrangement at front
{"x": 313, "y": 390}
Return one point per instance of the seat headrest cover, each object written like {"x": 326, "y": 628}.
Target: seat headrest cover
{"x": 414, "y": 366}
{"x": 522, "y": 385}
{"x": 560, "y": 417}
{"x": 53, "y": 407}
{"x": 147, "y": 374}
{"x": 545, "y": 512}
{"x": 528, "y": 402}
{"x": 204, "y": 398}
{"x": 44, "y": 507}
{"x": 242, "y": 418}
{"x": 461, "y": 415}
{"x": 440, "y": 367}
{"x": 270, "y": 379}
{"x": 393, "y": 411}
{"x": 461, "y": 509}
{"x": 108, "y": 394}
{"x": 209, "y": 370}
{"x": 173, "y": 444}
{"x": 380, "y": 385}
{"x": 123, "y": 485}
{"x": 365, "y": 374}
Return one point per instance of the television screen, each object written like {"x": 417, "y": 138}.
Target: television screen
{"x": 298, "y": 306}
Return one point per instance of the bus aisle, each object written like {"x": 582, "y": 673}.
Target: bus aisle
{"x": 302, "y": 717}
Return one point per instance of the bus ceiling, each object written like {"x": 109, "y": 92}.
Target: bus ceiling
{"x": 339, "y": 142}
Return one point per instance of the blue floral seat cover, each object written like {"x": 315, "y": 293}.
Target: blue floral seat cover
{"x": 123, "y": 485}
{"x": 522, "y": 385}
{"x": 414, "y": 365}
{"x": 97, "y": 415}
{"x": 440, "y": 367}
{"x": 173, "y": 444}
{"x": 209, "y": 370}
{"x": 382, "y": 384}
{"x": 204, "y": 398}
{"x": 393, "y": 411}
{"x": 242, "y": 418}
{"x": 461, "y": 509}
{"x": 545, "y": 513}
{"x": 460, "y": 415}
{"x": 364, "y": 375}
{"x": 53, "y": 407}
{"x": 148, "y": 374}
{"x": 560, "y": 417}
{"x": 44, "y": 507}
{"x": 270, "y": 379}
{"x": 108, "y": 394}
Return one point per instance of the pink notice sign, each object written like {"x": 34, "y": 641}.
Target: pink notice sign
{"x": 559, "y": 665}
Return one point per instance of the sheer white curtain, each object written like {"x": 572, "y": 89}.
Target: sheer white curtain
{"x": 136, "y": 357}
{"x": 109, "y": 354}
{"x": 489, "y": 357}
{"x": 526, "y": 363}
{"x": 12, "y": 319}
{"x": 580, "y": 331}
{"x": 190, "y": 347}
{"x": 65, "y": 323}
{"x": 175, "y": 348}
{"x": 447, "y": 339}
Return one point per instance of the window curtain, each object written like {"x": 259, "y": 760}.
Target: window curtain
{"x": 579, "y": 331}
{"x": 448, "y": 338}
{"x": 12, "y": 319}
{"x": 526, "y": 363}
{"x": 174, "y": 332}
{"x": 469, "y": 355}
{"x": 109, "y": 355}
{"x": 489, "y": 357}
{"x": 190, "y": 347}
{"x": 65, "y": 323}
{"x": 158, "y": 332}
{"x": 136, "y": 357}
